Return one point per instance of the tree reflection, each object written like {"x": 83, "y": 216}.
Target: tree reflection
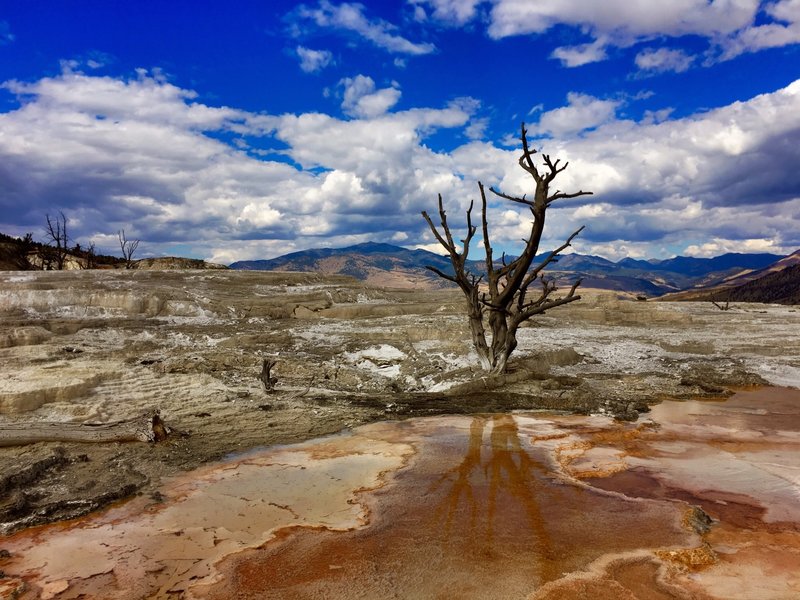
{"x": 493, "y": 498}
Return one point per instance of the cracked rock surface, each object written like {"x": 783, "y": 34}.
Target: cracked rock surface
{"x": 103, "y": 346}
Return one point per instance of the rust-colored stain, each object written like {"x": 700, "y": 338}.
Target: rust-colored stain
{"x": 480, "y": 514}
{"x": 698, "y": 502}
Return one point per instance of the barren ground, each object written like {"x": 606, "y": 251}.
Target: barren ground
{"x": 101, "y": 346}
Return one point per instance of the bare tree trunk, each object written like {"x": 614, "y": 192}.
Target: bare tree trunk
{"x": 478, "y": 332}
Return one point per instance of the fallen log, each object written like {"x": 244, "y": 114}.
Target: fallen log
{"x": 147, "y": 428}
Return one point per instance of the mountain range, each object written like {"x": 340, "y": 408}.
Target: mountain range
{"x": 393, "y": 266}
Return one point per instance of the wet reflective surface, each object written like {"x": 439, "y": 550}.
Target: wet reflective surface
{"x": 699, "y": 500}
{"x": 481, "y": 513}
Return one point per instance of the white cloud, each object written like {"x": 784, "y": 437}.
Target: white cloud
{"x": 137, "y": 154}
{"x": 730, "y": 26}
{"x": 434, "y": 247}
{"x": 582, "y": 112}
{"x": 476, "y": 130}
{"x": 721, "y": 246}
{"x": 313, "y": 61}
{"x": 399, "y": 237}
{"x": 583, "y": 54}
{"x": 450, "y": 12}
{"x": 783, "y": 31}
{"x": 662, "y": 60}
{"x": 350, "y": 17}
{"x": 624, "y": 20}
{"x": 145, "y": 155}
{"x": 361, "y": 99}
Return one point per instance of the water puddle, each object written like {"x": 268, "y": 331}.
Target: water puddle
{"x": 700, "y": 500}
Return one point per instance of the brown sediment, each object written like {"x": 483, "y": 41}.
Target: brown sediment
{"x": 480, "y": 515}
{"x": 638, "y": 578}
{"x": 738, "y": 510}
{"x": 491, "y": 506}
{"x": 145, "y": 549}
{"x": 737, "y": 462}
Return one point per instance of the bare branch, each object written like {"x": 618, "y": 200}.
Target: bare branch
{"x": 522, "y": 200}
{"x": 539, "y": 308}
{"x": 487, "y": 246}
{"x": 526, "y": 160}
{"x": 441, "y": 274}
{"x": 457, "y": 259}
{"x": 551, "y": 257}
{"x": 560, "y": 195}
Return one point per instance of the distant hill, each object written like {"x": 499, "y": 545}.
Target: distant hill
{"x": 23, "y": 254}
{"x": 777, "y": 283}
{"x": 170, "y": 263}
{"x": 778, "y": 287}
{"x": 393, "y": 266}
{"x": 382, "y": 265}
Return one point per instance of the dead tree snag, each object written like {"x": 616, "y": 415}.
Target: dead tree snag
{"x": 266, "y": 378}
{"x": 56, "y": 234}
{"x": 128, "y": 248}
{"x": 505, "y": 298}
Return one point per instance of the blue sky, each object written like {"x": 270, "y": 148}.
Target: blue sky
{"x": 247, "y": 130}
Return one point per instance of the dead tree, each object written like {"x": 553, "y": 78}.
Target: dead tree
{"x": 91, "y": 256}
{"x": 57, "y": 241}
{"x": 505, "y": 298}
{"x": 719, "y": 296}
{"x": 725, "y": 306}
{"x": 266, "y": 378}
{"x": 128, "y": 248}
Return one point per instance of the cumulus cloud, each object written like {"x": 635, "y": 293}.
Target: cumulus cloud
{"x": 450, "y": 12}
{"x": 782, "y": 31}
{"x": 476, "y": 130}
{"x": 581, "y": 113}
{"x": 313, "y": 61}
{"x": 623, "y": 20}
{"x": 361, "y": 99}
{"x": 732, "y": 27}
{"x": 582, "y": 54}
{"x": 146, "y": 155}
{"x": 661, "y": 60}
{"x": 350, "y": 17}
{"x": 725, "y": 173}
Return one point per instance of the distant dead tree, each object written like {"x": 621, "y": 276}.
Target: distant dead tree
{"x": 57, "y": 241}
{"x": 128, "y": 248}
{"x": 725, "y": 306}
{"x": 505, "y": 297}
{"x": 91, "y": 256}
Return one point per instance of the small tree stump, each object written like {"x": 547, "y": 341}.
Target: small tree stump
{"x": 265, "y": 377}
